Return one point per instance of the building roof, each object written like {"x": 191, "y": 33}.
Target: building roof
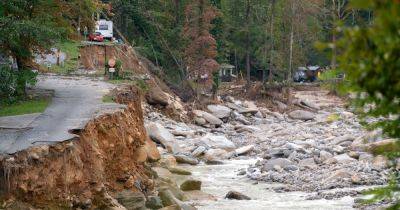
{"x": 309, "y": 68}
{"x": 226, "y": 66}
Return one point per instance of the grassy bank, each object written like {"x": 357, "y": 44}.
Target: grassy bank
{"x": 24, "y": 107}
{"x": 71, "y": 49}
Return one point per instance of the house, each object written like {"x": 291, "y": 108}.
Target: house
{"x": 226, "y": 73}
{"x": 304, "y": 74}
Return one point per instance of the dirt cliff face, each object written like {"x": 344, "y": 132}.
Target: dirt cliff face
{"x": 102, "y": 159}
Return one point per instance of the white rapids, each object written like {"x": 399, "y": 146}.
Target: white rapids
{"x": 217, "y": 180}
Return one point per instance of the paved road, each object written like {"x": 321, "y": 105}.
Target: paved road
{"x": 76, "y": 100}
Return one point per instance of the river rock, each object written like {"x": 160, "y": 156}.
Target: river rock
{"x": 301, "y": 115}
{"x": 179, "y": 171}
{"x": 186, "y": 159}
{"x": 236, "y": 196}
{"x": 156, "y": 96}
{"x": 259, "y": 115}
{"x": 140, "y": 154}
{"x": 244, "y": 150}
{"x": 200, "y": 121}
{"x": 309, "y": 104}
{"x": 168, "y": 161}
{"x": 191, "y": 184}
{"x": 154, "y": 202}
{"x": 213, "y": 120}
{"x": 162, "y": 172}
{"x": 152, "y": 152}
{"x": 380, "y": 162}
{"x": 354, "y": 154}
{"x": 167, "y": 198}
{"x": 197, "y": 195}
{"x": 281, "y": 106}
{"x": 344, "y": 158}
{"x": 281, "y": 162}
{"x": 338, "y": 175}
{"x": 159, "y": 134}
{"x": 241, "y": 118}
{"x": 230, "y": 99}
{"x": 324, "y": 155}
{"x": 215, "y": 155}
{"x": 131, "y": 200}
{"x": 217, "y": 142}
{"x": 183, "y": 133}
{"x": 109, "y": 202}
{"x": 219, "y": 111}
{"x": 277, "y": 115}
{"x": 246, "y": 128}
{"x": 341, "y": 139}
{"x": 308, "y": 163}
{"x": 365, "y": 157}
{"x": 199, "y": 151}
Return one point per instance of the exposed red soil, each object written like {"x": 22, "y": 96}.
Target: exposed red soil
{"x": 103, "y": 158}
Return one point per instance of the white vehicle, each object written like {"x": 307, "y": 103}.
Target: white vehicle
{"x": 105, "y": 28}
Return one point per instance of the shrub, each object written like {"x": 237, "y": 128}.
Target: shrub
{"x": 13, "y": 83}
{"x": 370, "y": 59}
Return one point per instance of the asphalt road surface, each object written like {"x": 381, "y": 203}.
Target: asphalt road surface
{"x": 76, "y": 100}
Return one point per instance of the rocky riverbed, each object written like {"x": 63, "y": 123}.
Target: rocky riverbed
{"x": 317, "y": 147}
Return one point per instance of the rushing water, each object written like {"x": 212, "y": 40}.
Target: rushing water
{"x": 219, "y": 179}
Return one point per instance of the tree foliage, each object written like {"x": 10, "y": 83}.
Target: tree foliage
{"x": 33, "y": 26}
{"x": 201, "y": 50}
{"x": 371, "y": 60}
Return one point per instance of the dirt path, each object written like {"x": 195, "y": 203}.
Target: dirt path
{"x": 76, "y": 100}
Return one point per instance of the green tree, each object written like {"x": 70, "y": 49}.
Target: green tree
{"x": 371, "y": 60}
{"x": 33, "y": 26}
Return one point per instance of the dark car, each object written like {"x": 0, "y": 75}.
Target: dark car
{"x": 96, "y": 37}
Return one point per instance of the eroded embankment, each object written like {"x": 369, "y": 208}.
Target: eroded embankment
{"x": 104, "y": 159}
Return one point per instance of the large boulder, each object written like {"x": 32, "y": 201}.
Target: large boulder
{"x": 245, "y": 149}
{"x": 215, "y": 155}
{"x": 301, "y": 115}
{"x": 309, "y": 104}
{"x": 168, "y": 199}
{"x": 155, "y": 96}
{"x": 162, "y": 172}
{"x": 243, "y": 110}
{"x": 190, "y": 185}
{"x": 216, "y": 142}
{"x": 213, "y": 120}
{"x": 152, "y": 152}
{"x": 131, "y": 200}
{"x": 186, "y": 159}
{"x": 219, "y": 111}
{"x": 236, "y": 196}
{"x": 161, "y": 135}
{"x": 154, "y": 202}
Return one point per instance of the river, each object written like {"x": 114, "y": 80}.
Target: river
{"x": 219, "y": 179}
